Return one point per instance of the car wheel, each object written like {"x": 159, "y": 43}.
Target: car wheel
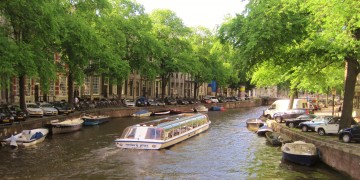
{"x": 291, "y": 125}
{"x": 278, "y": 119}
{"x": 321, "y": 132}
{"x": 346, "y": 138}
{"x": 304, "y": 129}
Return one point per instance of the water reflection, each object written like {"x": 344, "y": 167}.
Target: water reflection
{"x": 228, "y": 150}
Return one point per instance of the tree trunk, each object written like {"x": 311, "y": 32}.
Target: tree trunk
{"x": 293, "y": 95}
{"x": 195, "y": 90}
{"x": 22, "y": 92}
{"x": 119, "y": 91}
{"x": 351, "y": 72}
{"x": 45, "y": 99}
{"x": 12, "y": 92}
{"x": 71, "y": 90}
{"x": 163, "y": 86}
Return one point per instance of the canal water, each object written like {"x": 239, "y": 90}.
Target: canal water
{"x": 228, "y": 150}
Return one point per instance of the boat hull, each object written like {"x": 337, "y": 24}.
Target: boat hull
{"x": 160, "y": 113}
{"x": 154, "y": 145}
{"x": 95, "y": 121}
{"x": 66, "y": 126}
{"x": 307, "y": 160}
{"x": 60, "y": 129}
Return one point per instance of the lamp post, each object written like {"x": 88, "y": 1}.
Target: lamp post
{"x": 333, "y": 100}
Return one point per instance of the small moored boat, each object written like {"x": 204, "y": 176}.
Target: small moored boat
{"x": 66, "y": 126}
{"x": 264, "y": 129}
{"x": 276, "y": 139}
{"x": 163, "y": 132}
{"x": 201, "y": 108}
{"x": 142, "y": 113}
{"x": 217, "y": 108}
{"x": 254, "y": 122}
{"x": 300, "y": 152}
{"x": 91, "y": 120}
{"x": 26, "y": 138}
{"x": 163, "y": 112}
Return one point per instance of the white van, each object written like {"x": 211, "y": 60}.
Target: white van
{"x": 283, "y": 105}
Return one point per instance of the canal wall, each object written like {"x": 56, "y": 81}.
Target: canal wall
{"x": 343, "y": 157}
{"x": 32, "y": 123}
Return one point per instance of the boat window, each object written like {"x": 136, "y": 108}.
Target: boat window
{"x": 155, "y": 133}
{"x": 129, "y": 133}
{"x": 169, "y": 133}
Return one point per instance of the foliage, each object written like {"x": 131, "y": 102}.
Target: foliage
{"x": 173, "y": 52}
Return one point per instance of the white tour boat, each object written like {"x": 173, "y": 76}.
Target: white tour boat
{"x": 164, "y": 132}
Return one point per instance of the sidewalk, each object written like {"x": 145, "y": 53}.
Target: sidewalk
{"x": 328, "y": 111}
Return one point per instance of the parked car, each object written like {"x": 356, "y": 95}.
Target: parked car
{"x": 294, "y": 122}
{"x": 291, "y": 113}
{"x": 222, "y": 99}
{"x": 153, "y": 102}
{"x": 182, "y": 101}
{"x": 142, "y": 101}
{"x": 48, "y": 109}
{"x": 62, "y": 107}
{"x": 231, "y": 99}
{"x": 170, "y": 101}
{"x": 331, "y": 127}
{"x": 349, "y": 134}
{"x": 206, "y": 100}
{"x": 5, "y": 116}
{"x": 33, "y": 109}
{"x": 129, "y": 103}
{"x": 213, "y": 99}
{"x": 193, "y": 101}
{"x": 310, "y": 125}
{"x": 156, "y": 102}
{"x": 160, "y": 102}
{"x": 17, "y": 113}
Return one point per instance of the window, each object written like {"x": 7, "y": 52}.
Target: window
{"x": 96, "y": 85}
{"x": 87, "y": 85}
{"x": 63, "y": 85}
{"x": 52, "y": 87}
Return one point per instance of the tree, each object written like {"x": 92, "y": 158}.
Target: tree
{"x": 81, "y": 43}
{"x": 174, "y": 50}
{"x": 33, "y": 27}
{"x": 201, "y": 68}
{"x": 338, "y": 30}
{"x": 301, "y": 34}
{"x": 139, "y": 42}
{"x": 223, "y": 60}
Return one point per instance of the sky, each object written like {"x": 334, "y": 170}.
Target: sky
{"x": 208, "y": 13}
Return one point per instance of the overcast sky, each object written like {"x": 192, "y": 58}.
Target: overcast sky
{"x": 208, "y": 13}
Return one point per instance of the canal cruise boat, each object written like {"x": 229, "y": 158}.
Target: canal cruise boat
{"x": 164, "y": 132}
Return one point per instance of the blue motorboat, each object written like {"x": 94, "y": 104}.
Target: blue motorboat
{"x": 91, "y": 120}
{"x": 217, "y": 108}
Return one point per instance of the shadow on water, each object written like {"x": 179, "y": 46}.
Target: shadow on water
{"x": 228, "y": 150}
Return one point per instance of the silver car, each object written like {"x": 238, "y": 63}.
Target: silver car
{"x": 48, "y": 109}
{"x": 33, "y": 109}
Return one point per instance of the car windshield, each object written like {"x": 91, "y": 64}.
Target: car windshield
{"x": 46, "y": 105}
{"x": 319, "y": 118}
{"x": 32, "y": 106}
